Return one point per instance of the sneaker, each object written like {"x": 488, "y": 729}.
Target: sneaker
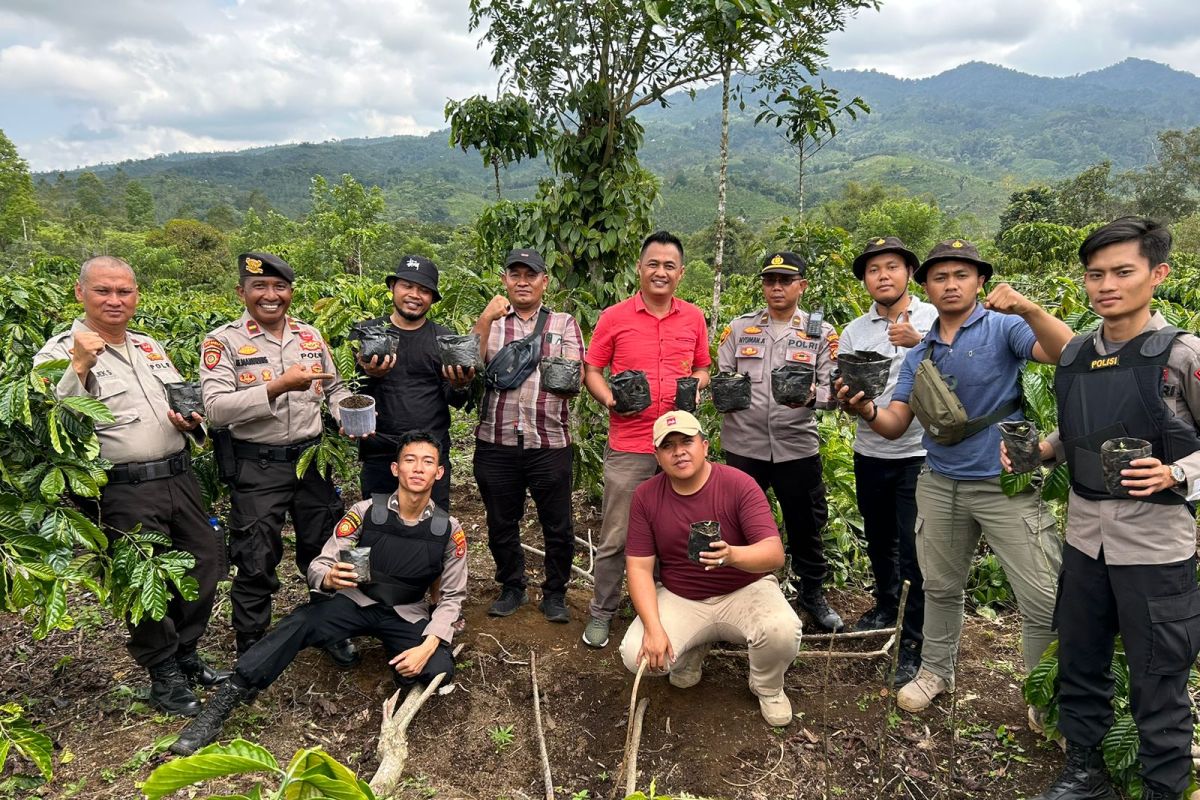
{"x": 908, "y": 663}
{"x": 776, "y": 709}
{"x": 876, "y": 619}
{"x": 508, "y": 602}
{"x": 688, "y": 668}
{"x": 596, "y": 632}
{"x": 920, "y": 691}
{"x": 554, "y": 607}
{"x": 818, "y": 608}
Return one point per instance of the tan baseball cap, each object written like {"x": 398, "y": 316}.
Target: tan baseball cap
{"x": 675, "y": 422}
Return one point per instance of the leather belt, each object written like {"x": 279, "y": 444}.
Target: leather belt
{"x": 141, "y": 471}
{"x": 253, "y": 451}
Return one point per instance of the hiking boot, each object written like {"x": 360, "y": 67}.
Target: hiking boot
{"x": 596, "y": 632}
{"x": 688, "y": 668}
{"x": 169, "y": 690}
{"x": 1083, "y": 778}
{"x": 247, "y": 639}
{"x": 876, "y": 619}
{"x": 343, "y": 653}
{"x": 508, "y": 602}
{"x": 908, "y": 663}
{"x": 205, "y": 729}
{"x": 554, "y": 607}
{"x": 818, "y": 608}
{"x": 197, "y": 672}
{"x": 920, "y": 691}
{"x": 1156, "y": 791}
{"x": 776, "y": 709}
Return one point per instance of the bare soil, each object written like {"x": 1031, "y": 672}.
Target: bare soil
{"x": 708, "y": 741}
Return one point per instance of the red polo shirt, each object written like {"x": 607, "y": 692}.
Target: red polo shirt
{"x": 628, "y": 336}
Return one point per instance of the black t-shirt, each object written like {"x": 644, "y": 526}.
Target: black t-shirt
{"x": 413, "y": 395}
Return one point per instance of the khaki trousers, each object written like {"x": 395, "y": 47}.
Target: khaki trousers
{"x": 622, "y": 474}
{"x": 757, "y": 615}
{"x": 1020, "y": 530}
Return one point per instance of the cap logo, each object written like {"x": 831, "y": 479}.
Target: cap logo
{"x": 670, "y": 421}
{"x": 776, "y": 260}
{"x": 880, "y": 241}
{"x": 956, "y": 243}
{"x": 254, "y": 265}
{"x": 412, "y": 263}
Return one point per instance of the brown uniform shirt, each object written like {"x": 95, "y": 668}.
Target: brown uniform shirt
{"x": 767, "y": 430}
{"x": 1133, "y": 531}
{"x": 131, "y": 381}
{"x": 453, "y": 588}
{"x": 240, "y": 358}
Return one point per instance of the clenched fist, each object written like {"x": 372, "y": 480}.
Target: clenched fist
{"x": 85, "y": 349}
{"x": 1008, "y": 300}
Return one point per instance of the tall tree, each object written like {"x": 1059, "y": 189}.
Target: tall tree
{"x": 19, "y": 212}
{"x": 139, "y": 205}
{"x": 347, "y": 218}
{"x": 503, "y": 130}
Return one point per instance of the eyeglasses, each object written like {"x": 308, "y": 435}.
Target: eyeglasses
{"x": 782, "y": 280}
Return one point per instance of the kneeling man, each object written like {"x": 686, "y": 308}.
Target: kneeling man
{"x": 730, "y": 593}
{"x": 415, "y": 548}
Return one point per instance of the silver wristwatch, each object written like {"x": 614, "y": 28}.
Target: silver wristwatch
{"x": 1178, "y": 475}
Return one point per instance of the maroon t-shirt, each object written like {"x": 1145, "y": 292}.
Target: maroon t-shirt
{"x": 660, "y": 520}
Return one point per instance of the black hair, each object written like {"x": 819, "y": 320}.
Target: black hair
{"x": 417, "y": 437}
{"x": 1154, "y": 240}
{"x": 662, "y": 237}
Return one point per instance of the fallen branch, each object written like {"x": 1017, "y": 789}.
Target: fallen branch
{"x": 890, "y": 706}
{"x": 511, "y": 658}
{"x": 634, "y": 740}
{"x": 762, "y": 777}
{"x": 577, "y": 570}
{"x": 637, "y": 679}
{"x": 393, "y": 732}
{"x": 537, "y": 721}
{"x": 829, "y": 654}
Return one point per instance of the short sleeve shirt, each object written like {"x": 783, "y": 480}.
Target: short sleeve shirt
{"x": 660, "y": 521}
{"x": 628, "y": 336}
{"x": 983, "y": 366}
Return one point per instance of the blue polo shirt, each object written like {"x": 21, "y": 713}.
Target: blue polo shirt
{"x": 983, "y": 365}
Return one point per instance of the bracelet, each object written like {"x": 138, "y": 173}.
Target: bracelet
{"x": 874, "y": 408}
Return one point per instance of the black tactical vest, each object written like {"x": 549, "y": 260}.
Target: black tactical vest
{"x": 405, "y": 559}
{"x": 1119, "y": 394}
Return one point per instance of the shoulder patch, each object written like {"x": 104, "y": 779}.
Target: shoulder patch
{"x": 348, "y": 524}
{"x": 1196, "y": 374}
{"x": 460, "y": 543}
{"x": 211, "y": 353}
{"x": 725, "y": 334}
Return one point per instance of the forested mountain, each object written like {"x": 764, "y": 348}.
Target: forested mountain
{"x": 967, "y": 138}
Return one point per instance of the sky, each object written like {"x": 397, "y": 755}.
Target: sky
{"x": 89, "y": 82}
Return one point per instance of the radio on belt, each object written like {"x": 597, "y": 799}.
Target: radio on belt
{"x": 814, "y": 322}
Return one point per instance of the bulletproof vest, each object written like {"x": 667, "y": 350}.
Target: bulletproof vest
{"x": 405, "y": 559}
{"x": 1102, "y": 397}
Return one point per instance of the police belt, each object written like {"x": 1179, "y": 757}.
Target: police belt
{"x": 141, "y": 471}
{"x": 252, "y": 451}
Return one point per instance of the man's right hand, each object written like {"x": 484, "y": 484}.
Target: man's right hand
{"x": 340, "y": 576}
{"x": 85, "y": 349}
{"x": 377, "y": 367}
{"x": 295, "y": 379}
{"x": 496, "y": 308}
{"x": 858, "y": 404}
{"x": 656, "y": 649}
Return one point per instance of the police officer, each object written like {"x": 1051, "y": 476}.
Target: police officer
{"x": 778, "y": 445}
{"x": 412, "y": 390}
{"x": 264, "y": 377}
{"x": 151, "y": 481}
{"x": 415, "y": 548}
{"x": 1129, "y": 563}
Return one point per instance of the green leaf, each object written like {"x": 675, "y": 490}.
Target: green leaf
{"x": 215, "y": 761}
{"x": 1013, "y": 483}
{"x": 317, "y": 774}
{"x": 154, "y": 594}
{"x": 305, "y": 460}
{"x": 1058, "y": 484}
{"x": 1121, "y": 745}
{"x": 18, "y": 732}
{"x": 89, "y": 407}
{"x": 1041, "y": 685}
{"x": 53, "y": 485}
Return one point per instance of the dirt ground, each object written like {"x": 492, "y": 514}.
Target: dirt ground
{"x": 708, "y": 741}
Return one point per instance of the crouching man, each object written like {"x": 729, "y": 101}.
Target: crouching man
{"x": 730, "y": 593}
{"x": 416, "y": 548}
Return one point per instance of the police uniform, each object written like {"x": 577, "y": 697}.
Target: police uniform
{"x": 778, "y": 445}
{"x": 1129, "y": 565}
{"x": 151, "y": 481}
{"x": 238, "y": 360}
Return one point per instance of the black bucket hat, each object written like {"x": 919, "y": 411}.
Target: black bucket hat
{"x": 418, "y": 270}
{"x": 884, "y": 244}
{"x": 953, "y": 250}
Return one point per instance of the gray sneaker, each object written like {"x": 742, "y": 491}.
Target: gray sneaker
{"x": 596, "y": 632}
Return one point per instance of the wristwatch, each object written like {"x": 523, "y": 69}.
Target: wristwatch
{"x": 1178, "y": 475}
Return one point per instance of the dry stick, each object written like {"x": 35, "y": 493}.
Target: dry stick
{"x": 890, "y": 706}
{"x": 635, "y": 739}
{"x": 393, "y": 732}
{"x": 824, "y": 723}
{"x": 953, "y": 739}
{"x": 537, "y": 721}
{"x": 637, "y": 679}
{"x": 580, "y": 572}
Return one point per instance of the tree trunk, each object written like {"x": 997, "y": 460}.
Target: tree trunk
{"x": 801, "y": 184}
{"x": 496, "y": 169}
{"x": 722, "y": 175}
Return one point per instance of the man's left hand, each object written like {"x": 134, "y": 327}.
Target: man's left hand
{"x": 1008, "y": 300}
{"x": 459, "y": 377}
{"x": 1146, "y": 476}
{"x": 182, "y": 423}
{"x": 413, "y": 660}
{"x": 718, "y": 555}
{"x": 901, "y": 333}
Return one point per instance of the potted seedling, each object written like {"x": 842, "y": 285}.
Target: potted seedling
{"x": 459, "y": 350}
{"x": 730, "y": 391}
{"x": 631, "y": 390}
{"x": 1021, "y": 442}
{"x": 561, "y": 375}
{"x": 184, "y": 399}
{"x": 685, "y": 393}
{"x": 791, "y": 384}
{"x": 864, "y": 371}
{"x": 1116, "y": 455}
{"x": 701, "y": 537}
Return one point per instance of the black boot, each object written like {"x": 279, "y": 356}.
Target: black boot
{"x": 169, "y": 690}
{"x": 197, "y": 672}
{"x": 205, "y": 729}
{"x": 343, "y": 653}
{"x": 1155, "y": 791}
{"x": 877, "y": 618}
{"x": 1083, "y": 777}
{"x": 247, "y": 639}
{"x": 814, "y": 602}
{"x": 908, "y": 663}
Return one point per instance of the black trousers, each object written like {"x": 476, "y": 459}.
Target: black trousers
{"x": 801, "y": 493}
{"x": 1156, "y": 609}
{"x": 377, "y": 478}
{"x": 263, "y": 494}
{"x": 887, "y": 499}
{"x": 172, "y": 506}
{"x": 503, "y": 473}
{"x": 320, "y": 623}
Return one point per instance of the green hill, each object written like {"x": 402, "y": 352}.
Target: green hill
{"x": 966, "y": 137}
